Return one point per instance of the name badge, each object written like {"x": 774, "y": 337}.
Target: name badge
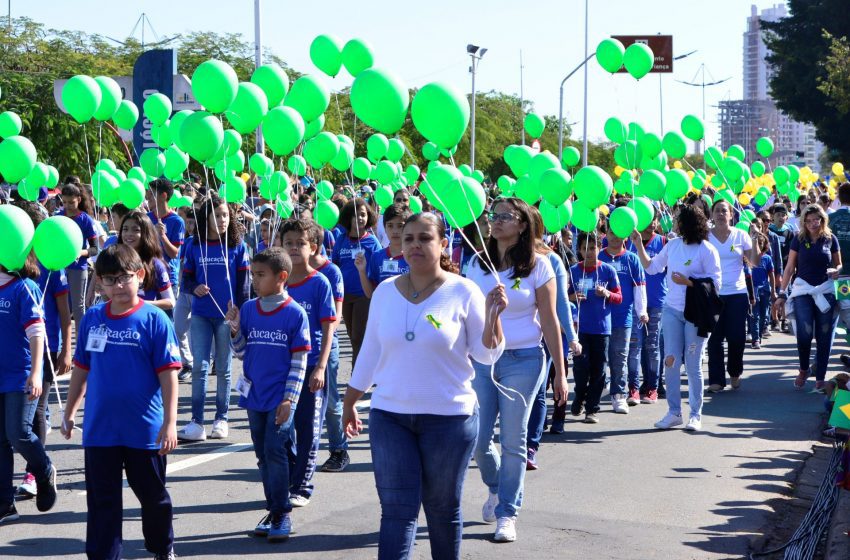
{"x": 96, "y": 343}
{"x": 390, "y": 266}
{"x": 356, "y": 252}
{"x": 243, "y": 386}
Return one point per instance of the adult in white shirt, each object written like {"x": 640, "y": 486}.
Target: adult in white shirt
{"x": 507, "y": 390}
{"x": 424, "y": 419}
{"x": 733, "y": 245}
{"x": 688, "y": 256}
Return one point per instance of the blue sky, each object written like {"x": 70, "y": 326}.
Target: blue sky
{"x": 424, "y": 41}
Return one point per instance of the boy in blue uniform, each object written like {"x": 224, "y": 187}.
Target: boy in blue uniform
{"x": 387, "y": 262}
{"x": 169, "y": 226}
{"x": 271, "y": 335}
{"x": 311, "y": 291}
{"x": 126, "y": 364}
{"x": 595, "y": 287}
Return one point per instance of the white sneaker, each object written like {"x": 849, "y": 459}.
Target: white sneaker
{"x": 488, "y": 512}
{"x": 669, "y": 421}
{"x": 219, "y": 430}
{"x": 297, "y": 500}
{"x": 192, "y": 432}
{"x": 619, "y": 404}
{"x": 694, "y": 424}
{"x": 505, "y": 529}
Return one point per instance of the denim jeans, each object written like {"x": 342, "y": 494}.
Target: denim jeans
{"x": 520, "y": 373}
{"x": 618, "y": 353}
{"x": 270, "y": 441}
{"x": 589, "y": 371}
{"x": 333, "y": 415}
{"x": 16, "y": 414}
{"x": 182, "y": 323}
{"x": 303, "y": 448}
{"x": 203, "y": 332}
{"x": 810, "y": 322}
{"x": 537, "y": 418}
{"x": 757, "y": 321}
{"x": 732, "y": 327}
{"x": 645, "y": 351}
{"x": 420, "y": 460}
{"x": 680, "y": 339}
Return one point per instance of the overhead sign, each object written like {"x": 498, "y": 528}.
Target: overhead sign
{"x": 661, "y": 46}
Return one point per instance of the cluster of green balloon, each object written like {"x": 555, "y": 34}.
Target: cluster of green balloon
{"x": 111, "y": 185}
{"x": 329, "y": 55}
{"x": 40, "y": 176}
{"x": 593, "y": 187}
{"x": 732, "y": 172}
{"x": 17, "y": 153}
{"x": 179, "y": 200}
{"x": 612, "y": 56}
{"x": 100, "y": 98}
{"x": 460, "y": 197}
{"x": 56, "y": 241}
{"x": 786, "y": 177}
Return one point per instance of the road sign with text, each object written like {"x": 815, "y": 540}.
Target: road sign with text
{"x": 662, "y": 48}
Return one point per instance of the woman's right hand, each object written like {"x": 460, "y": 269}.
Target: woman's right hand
{"x": 351, "y": 423}
{"x": 202, "y": 290}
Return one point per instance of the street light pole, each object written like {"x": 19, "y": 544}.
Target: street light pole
{"x": 476, "y": 53}
{"x": 258, "y": 61}
{"x": 586, "y": 57}
{"x": 561, "y": 105}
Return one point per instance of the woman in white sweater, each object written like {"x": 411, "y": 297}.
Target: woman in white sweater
{"x": 423, "y": 422}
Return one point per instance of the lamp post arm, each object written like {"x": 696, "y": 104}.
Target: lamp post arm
{"x": 561, "y": 105}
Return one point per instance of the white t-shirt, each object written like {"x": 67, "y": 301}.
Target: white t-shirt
{"x": 732, "y": 260}
{"x": 693, "y": 261}
{"x": 520, "y": 320}
{"x": 432, "y": 373}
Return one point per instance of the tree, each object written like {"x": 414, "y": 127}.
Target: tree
{"x": 799, "y": 50}
{"x": 836, "y": 84}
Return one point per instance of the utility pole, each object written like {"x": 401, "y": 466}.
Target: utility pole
{"x": 476, "y": 53}
{"x": 521, "y": 100}
{"x": 586, "y": 58}
{"x": 258, "y": 61}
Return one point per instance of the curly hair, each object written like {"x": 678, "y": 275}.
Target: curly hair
{"x": 213, "y": 201}
{"x": 693, "y": 224}
{"x": 346, "y": 215}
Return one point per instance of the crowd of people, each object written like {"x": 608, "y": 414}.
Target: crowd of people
{"x": 455, "y": 332}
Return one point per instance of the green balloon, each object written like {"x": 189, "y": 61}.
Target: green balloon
{"x": 555, "y": 186}
{"x": 344, "y": 158}
{"x": 248, "y": 108}
{"x": 666, "y": 223}
{"x": 28, "y": 191}
{"x": 377, "y": 146}
{"x": 56, "y": 242}
{"x": 357, "y": 56}
{"x": 541, "y": 163}
{"x": 764, "y": 146}
{"x": 175, "y": 123}
{"x": 273, "y": 81}
{"x": 674, "y": 145}
{"x": 534, "y": 125}
{"x": 615, "y": 130}
{"x": 233, "y": 190}
{"x": 693, "y": 128}
{"x": 527, "y": 190}
{"x": 297, "y": 165}
{"x": 176, "y": 162}
{"x": 761, "y": 196}
{"x": 570, "y": 157}
{"x": 326, "y": 54}
{"x": 132, "y": 193}
{"x": 465, "y": 169}
{"x": 478, "y": 175}
{"x": 780, "y": 174}
{"x": 283, "y": 130}
{"x": 430, "y": 151}
{"x": 17, "y": 158}
{"x": 395, "y": 150}
{"x": 16, "y": 231}
{"x": 326, "y": 146}
{"x": 713, "y": 157}
{"x": 126, "y": 116}
{"x": 724, "y": 194}
{"x": 638, "y": 60}
{"x": 37, "y": 176}
{"x": 623, "y": 221}
{"x": 518, "y": 158}
{"x": 736, "y": 151}
{"x": 277, "y": 185}
{"x": 380, "y": 100}
{"x": 103, "y": 185}
{"x": 260, "y": 164}
{"x": 324, "y": 190}
{"x": 81, "y": 97}
{"x": 411, "y": 173}
{"x": 361, "y": 168}
{"x": 308, "y": 96}
{"x": 110, "y": 98}
{"x": 652, "y": 184}
{"x": 793, "y": 174}
{"x": 326, "y": 214}
{"x": 138, "y": 173}
{"x": 464, "y": 201}
{"x": 609, "y": 55}
{"x": 678, "y": 183}
{"x": 415, "y": 204}
{"x": 584, "y": 218}
{"x": 314, "y": 127}
{"x": 635, "y": 132}
{"x": 644, "y": 210}
{"x": 732, "y": 169}
{"x": 10, "y": 124}
{"x": 161, "y": 134}
{"x": 157, "y": 108}
{"x": 650, "y": 144}
{"x": 214, "y": 84}
{"x": 556, "y": 218}
{"x": 626, "y": 184}
{"x": 202, "y": 135}
{"x": 52, "y": 177}
{"x": 385, "y": 172}
{"x": 592, "y": 186}
{"x": 628, "y": 154}
{"x": 384, "y": 196}
{"x": 105, "y": 164}
{"x": 440, "y": 113}
{"x": 152, "y": 161}
{"x": 758, "y": 168}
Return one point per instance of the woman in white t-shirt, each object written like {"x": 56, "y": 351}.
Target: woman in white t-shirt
{"x": 688, "y": 256}
{"x": 733, "y": 246}
{"x": 531, "y": 290}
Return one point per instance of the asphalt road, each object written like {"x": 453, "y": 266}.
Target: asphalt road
{"x": 618, "y": 489}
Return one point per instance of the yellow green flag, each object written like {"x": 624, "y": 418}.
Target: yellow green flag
{"x": 840, "y": 417}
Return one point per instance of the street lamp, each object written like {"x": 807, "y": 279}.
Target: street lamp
{"x": 476, "y": 53}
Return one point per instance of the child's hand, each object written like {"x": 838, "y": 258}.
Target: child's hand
{"x": 67, "y": 427}
{"x": 575, "y": 347}
{"x": 33, "y": 386}
{"x": 317, "y": 379}
{"x": 202, "y": 290}
{"x": 284, "y": 409}
{"x": 63, "y": 361}
{"x": 232, "y": 317}
{"x": 360, "y": 262}
{"x": 167, "y": 438}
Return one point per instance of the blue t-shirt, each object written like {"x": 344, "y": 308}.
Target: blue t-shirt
{"x": 759, "y": 273}
{"x": 315, "y": 295}
{"x": 271, "y": 337}
{"x": 52, "y": 284}
{"x": 328, "y": 242}
{"x": 161, "y": 282}
{"x": 594, "y": 313}
{"x": 382, "y": 265}
{"x": 175, "y": 231}
{"x": 630, "y": 273}
{"x": 86, "y": 225}
{"x": 813, "y": 258}
{"x": 656, "y": 284}
{"x": 124, "y": 396}
{"x": 19, "y": 308}
{"x": 343, "y": 256}
{"x": 334, "y": 276}
{"x": 207, "y": 262}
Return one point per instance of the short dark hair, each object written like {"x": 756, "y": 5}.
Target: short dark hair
{"x": 33, "y": 210}
{"x": 307, "y": 227}
{"x": 162, "y": 185}
{"x": 119, "y": 210}
{"x": 778, "y": 207}
{"x": 693, "y": 224}
{"x": 587, "y": 236}
{"x": 394, "y": 211}
{"x": 346, "y": 215}
{"x": 844, "y": 193}
{"x": 275, "y": 258}
{"x": 116, "y": 259}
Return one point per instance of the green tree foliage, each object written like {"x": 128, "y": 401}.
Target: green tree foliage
{"x": 836, "y": 84}
{"x": 800, "y": 53}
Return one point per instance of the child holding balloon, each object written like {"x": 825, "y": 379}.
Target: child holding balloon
{"x": 387, "y": 262}
{"x": 77, "y": 207}
{"x": 138, "y": 232}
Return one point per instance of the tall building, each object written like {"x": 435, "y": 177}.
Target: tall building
{"x": 745, "y": 120}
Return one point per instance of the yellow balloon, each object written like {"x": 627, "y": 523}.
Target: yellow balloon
{"x": 603, "y": 210}
{"x": 618, "y": 171}
{"x": 245, "y": 177}
{"x": 744, "y": 199}
{"x": 677, "y": 164}
{"x": 691, "y": 174}
{"x": 838, "y": 169}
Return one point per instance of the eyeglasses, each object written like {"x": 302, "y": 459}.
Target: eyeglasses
{"x": 502, "y": 217}
{"x": 122, "y": 279}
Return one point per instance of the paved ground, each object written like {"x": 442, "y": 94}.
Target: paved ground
{"x": 619, "y": 489}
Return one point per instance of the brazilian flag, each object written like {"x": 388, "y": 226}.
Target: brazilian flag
{"x": 840, "y": 417}
{"x": 842, "y": 288}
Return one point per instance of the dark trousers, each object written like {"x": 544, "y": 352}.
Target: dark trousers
{"x": 303, "y": 448}
{"x": 146, "y": 477}
{"x": 355, "y": 313}
{"x": 589, "y": 370}
{"x": 537, "y": 419}
{"x": 731, "y": 327}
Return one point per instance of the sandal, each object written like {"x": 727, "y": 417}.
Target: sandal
{"x": 800, "y": 380}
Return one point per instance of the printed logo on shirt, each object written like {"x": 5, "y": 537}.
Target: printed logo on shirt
{"x": 271, "y": 338}
{"x": 220, "y": 260}
{"x": 124, "y": 337}
{"x": 306, "y": 305}
{"x": 584, "y": 285}
{"x": 5, "y": 304}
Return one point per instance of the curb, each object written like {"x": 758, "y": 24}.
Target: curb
{"x": 837, "y": 541}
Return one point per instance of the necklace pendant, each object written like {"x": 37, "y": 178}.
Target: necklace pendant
{"x": 414, "y": 295}
{"x": 409, "y": 336}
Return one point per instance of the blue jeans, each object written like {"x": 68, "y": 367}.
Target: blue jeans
{"x": 537, "y": 418}
{"x": 520, "y": 371}
{"x": 757, "y": 321}
{"x": 204, "y": 331}
{"x": 680, "y": 339}
{"x": 303, "y": 449}
{"x": 420, "y": 460}
{"x": 270, "y": 441}
{"x": 618, "y": 353}
{"x": 809, "y": 322}
{"x": 333, "y": 415}
{"x": 16, "y": 414}
{"x": 645, "y": 351}
{"x": 182, "y": 323}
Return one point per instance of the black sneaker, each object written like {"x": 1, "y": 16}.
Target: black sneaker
{"x": 845, "y": 361}
{"x": 337, "y": 462}
{"x": 576, "y": 408}
{"x": 9, "y": 513}
{"x": 46, "y": 497}
{"x": 662, "y": 391}
{"x": 557, "y": 427}
{"x": 185, "y": 374}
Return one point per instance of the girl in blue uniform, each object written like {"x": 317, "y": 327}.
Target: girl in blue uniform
{"x": 387, "y": 262}
{"x": 138, "y": 232}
